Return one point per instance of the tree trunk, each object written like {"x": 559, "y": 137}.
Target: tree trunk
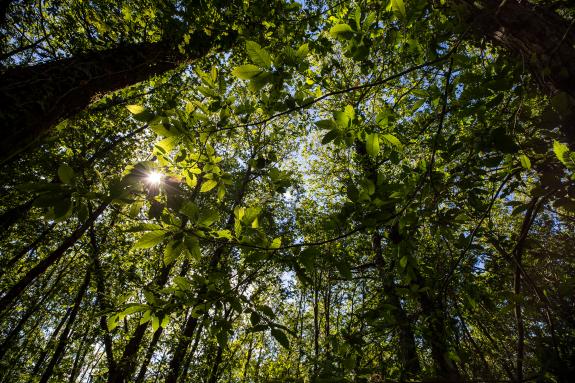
{"x": 315, "y": 325}
{"x": 192, "y": 352}
{"x": 191, "y": 323}
{"x": 101, "y": 300}
{"x": 248, "y": 358}
{"x": 216, "y": 365}
{"x": 50, "y": 342}
{"x": 530, "y": 215}
{"x": 149, "y": 354}
{"x": 125, "y": 365}
{"x": 5, "y": 345}
{"x": 8, "y": 298}
{"x": 544, "y": 41}
{"x": 407, "y": 348}
{"x": 38, "y": 97}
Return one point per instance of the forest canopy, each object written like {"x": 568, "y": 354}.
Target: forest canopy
{"x": 287, "y": 191}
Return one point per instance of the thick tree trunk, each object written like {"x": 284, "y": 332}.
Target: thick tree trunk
{"x": 543, "y": 41}
{"x": 38, "y": 97}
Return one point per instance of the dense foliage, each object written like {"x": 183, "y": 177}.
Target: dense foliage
{"x": 334, "y": 191}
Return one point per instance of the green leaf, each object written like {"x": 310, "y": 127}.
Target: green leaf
{"x": 302, "y": 51}
{"x": 190, "y": 210}
{"x": 66, "y": 174}
{"x": 560, "y": 151}
{"x": 391, "y": 140}
{"x": 325, "y": 124}
{"x": 112, "y": 322}
{"x": 329, "y": 136}
{"x": 134, "y": 309}
{"x": 308, "y": 256}
{"x": 280, "y": 337}
{"x": 135, "y": 109}
{"x": 172, "y": 251}
{"x": 257, "y": 328}
{"x": 63, "y": 208}
{"x": 150, "y": 239}
{"x": 182, "y": 283}
{"x": 208, "y": 185}
{"x": 208, "y": 216}
{"x": 155, "y": 323}
{"x": 276, "y": 243}
{"x": 403, "y": 262}
{"x": 341, "y": 31}
{"x": 193, "y": 246}
{"x": 525, "y": 162}
{"x": 372, "y": 144}
{"x": 168, "y": 144}
{"x": 398, "y": 6}
{"x": 146, "y": 317}
{"x": 246, "y": 72}
{"x": 266, "y": 310}
{"x": 255, "y": 318}
{"x": 258, "y": 55}
{"x": 342, "y": 119}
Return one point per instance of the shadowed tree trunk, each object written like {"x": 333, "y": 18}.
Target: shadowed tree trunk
{"x": 38, "y": 97}
{"x": 542, "y": 40}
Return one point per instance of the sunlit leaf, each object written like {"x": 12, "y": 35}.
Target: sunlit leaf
{"x": 246, "y": 72}
{"x": 258, "y": 55}
{"x": 372, "y": 144}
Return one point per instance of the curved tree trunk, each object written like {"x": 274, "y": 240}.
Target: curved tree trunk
{"x": 38, "y": 97}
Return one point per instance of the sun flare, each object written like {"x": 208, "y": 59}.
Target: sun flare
{"x": 154, "y": 178}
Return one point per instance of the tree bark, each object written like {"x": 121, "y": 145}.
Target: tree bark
{"x": 50, "y": 342}
{"x": 5, "y": 345}
{"x": 543, "y": 40}
{"x": 190, "y": 356}
{"x": 149, "y": 354}
{"x": 517, "y": 289}
{"x": 38, "y": 97}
